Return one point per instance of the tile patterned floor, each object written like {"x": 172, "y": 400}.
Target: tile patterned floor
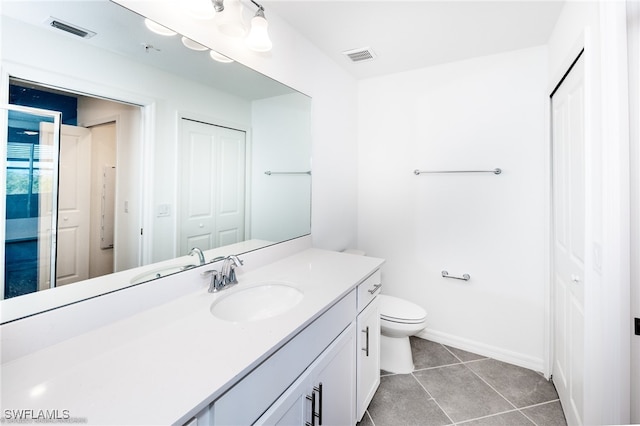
{"x": 450, "y": 387}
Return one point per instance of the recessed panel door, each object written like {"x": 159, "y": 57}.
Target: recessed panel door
{"x": 212, "y": 186}
{"x": 72, "y": 256}
{"x": 569, "y": 241}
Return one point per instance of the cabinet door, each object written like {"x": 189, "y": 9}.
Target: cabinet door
{"x": 334, "y": 384}
{"x": 324, "y": 393}
{"x": 291, "y": 408}
{"x": 368, "y": 358}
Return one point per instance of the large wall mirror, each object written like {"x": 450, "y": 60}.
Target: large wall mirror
{"x": 162, "y": 148}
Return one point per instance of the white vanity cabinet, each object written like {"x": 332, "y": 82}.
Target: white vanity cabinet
{"x": 313, "y": 356}
{"x": 368, "y": 348}
{"x": 324, "y": 394}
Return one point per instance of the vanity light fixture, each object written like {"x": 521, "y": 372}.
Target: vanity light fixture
{"x": 158, "y": 29}
{"x": 229, "y": 22}
{"x": 258, "y": 39}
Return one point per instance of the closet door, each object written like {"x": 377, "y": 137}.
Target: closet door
{"x": 212, "y": 186}
{"x": 569, "y": 241}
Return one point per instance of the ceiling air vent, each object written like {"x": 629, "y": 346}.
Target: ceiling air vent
{"x": 360, "y": 55}
{"x": 69, "y": 28}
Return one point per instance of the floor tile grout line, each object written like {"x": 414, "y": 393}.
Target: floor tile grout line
{"x": 528, "y": 418}
{"x": 489, "y": 415}
{"x": 435, "y": 401}
{"x": 537, "y": 405}
{"x": 540, "y": 403}
{"x": 447, "y": 349}
{"x": 422, "y": 386}
{"x": 494, "y": 389}
{"x": 437, "y": 366}
{"x": 366, "y": 413}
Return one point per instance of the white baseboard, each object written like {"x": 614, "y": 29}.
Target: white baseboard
{"x": 479, "y": 348}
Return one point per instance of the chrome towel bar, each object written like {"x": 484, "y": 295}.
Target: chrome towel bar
{"x": 465, "y": 277}
{"x": 269, "y": 173}
{"x": 494, "y": 171}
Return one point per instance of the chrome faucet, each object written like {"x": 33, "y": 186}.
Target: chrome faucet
{"x": 229, "y": 269}
{"x": 227, "y": 275}
{"x": 197, "y": 251}
{"x": 216, "y": 281}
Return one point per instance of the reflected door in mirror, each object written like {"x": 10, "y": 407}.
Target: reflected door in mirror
{"x": 212, "y": 186}
{"x": 31, "y": 198}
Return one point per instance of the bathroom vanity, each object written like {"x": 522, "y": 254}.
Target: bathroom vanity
{"x": 314, "y": 362}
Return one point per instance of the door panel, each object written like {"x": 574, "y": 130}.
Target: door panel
{"x": 569, "y": 241}
{"x": 74, "y": 204}
{"x": 212, "y": 186}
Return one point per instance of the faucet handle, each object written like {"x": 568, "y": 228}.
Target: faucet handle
{"x": 216, "y": 280}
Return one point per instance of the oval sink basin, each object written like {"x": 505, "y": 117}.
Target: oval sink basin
{"x": 256, "y": 302}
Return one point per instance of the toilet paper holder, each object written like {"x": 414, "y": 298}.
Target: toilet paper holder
{"x": 464, "y": 277}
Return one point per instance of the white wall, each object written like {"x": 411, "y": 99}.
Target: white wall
{"x": 477, "y": 114}
{"x": 280, "y": 134}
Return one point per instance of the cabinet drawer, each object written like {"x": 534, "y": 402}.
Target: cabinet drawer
{"x": 369, "y": 289}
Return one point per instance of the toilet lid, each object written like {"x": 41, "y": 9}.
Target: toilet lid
{"x": 399, "y": 310}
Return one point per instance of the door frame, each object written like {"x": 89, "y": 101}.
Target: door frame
{"x": 607, "y": 257}
{"x": 57, "y": 121}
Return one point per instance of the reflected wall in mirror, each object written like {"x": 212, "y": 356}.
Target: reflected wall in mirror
{"x": 173, "y": 148}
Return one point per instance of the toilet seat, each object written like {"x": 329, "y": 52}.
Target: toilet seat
{"x": 394, "y": 309}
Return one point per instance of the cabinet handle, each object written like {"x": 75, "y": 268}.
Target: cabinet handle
{"x": 366, "y": 348}
{"x": 312, "y": 398}
{"x": 375, "y": 288}
{"x": 319, "y": 390}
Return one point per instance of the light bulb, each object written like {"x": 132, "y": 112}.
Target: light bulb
{"x": 219, "y": 57}
{"x": 258, "y": 38}
{"x": 192, "y": 44}
{"x": 157, "y": 28}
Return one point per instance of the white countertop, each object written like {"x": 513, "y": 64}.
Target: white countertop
{"x": 160, "y": 364}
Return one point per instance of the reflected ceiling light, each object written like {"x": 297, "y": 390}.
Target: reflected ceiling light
{"x": 219, "y": 57}
{"x": 157, "y": 28}
{"x": 229, "y": 20}
{"x": 201, "y": 9}
{"x": 193, "y": 45}
{"x": 258, "y": 38}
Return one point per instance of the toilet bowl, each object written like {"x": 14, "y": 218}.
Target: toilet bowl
{"x": 399, "y": 319}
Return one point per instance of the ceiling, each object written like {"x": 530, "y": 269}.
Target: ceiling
{"x": 406, "y": 35}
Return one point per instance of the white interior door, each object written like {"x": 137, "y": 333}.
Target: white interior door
{"x": 72, "y": 257}
{"x": 212, "y": 186}
{"x": 569, "y": 242}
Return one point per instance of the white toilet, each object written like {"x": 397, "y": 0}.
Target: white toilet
{"x": 399, "y": 319}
